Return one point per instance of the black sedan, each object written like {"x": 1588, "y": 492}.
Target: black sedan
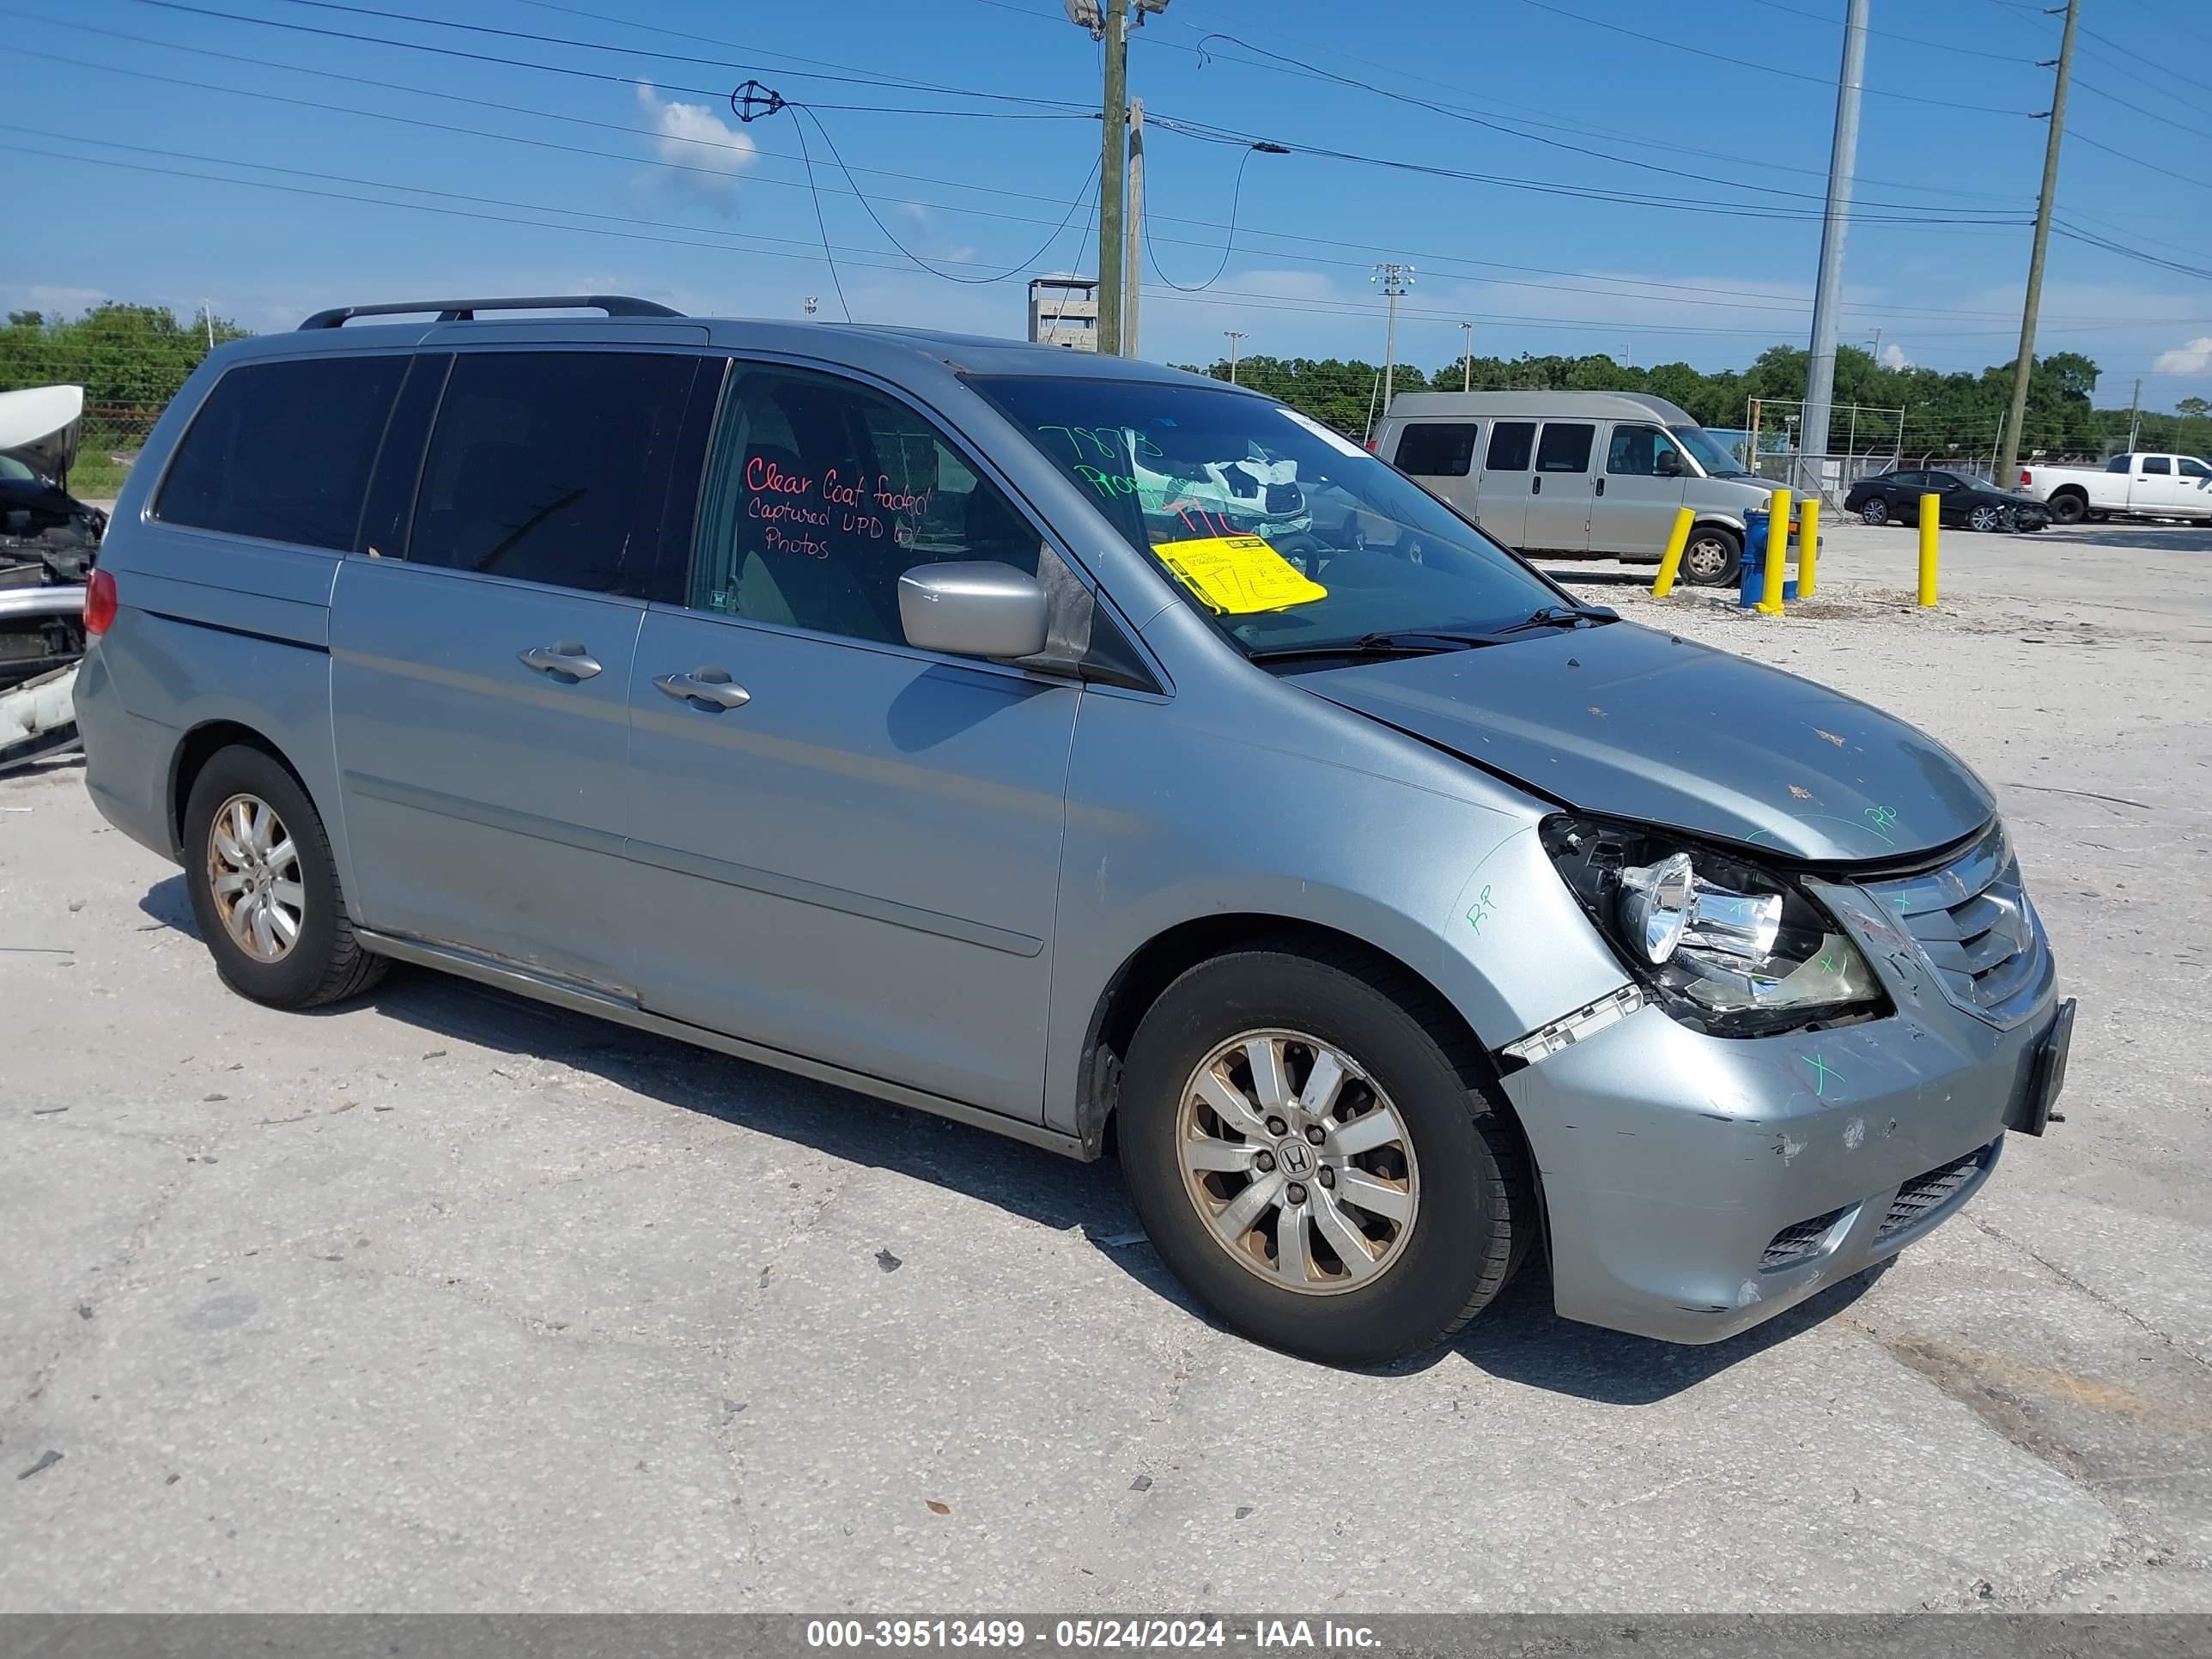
{"x": 1894, "y": 498}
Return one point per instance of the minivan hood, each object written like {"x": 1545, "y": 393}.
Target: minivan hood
{"x": 1628, "y": 722}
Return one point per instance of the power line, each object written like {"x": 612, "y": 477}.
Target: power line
{"x": 852, "y": 74}
{"x": 1443, "y": 263}
{"x": 1764, "y": 68}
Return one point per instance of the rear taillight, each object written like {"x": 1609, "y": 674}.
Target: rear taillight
{"x": 2025, "y": 477}
{"x": 99, "y": 603}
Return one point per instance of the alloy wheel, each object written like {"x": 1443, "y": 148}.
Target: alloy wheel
{"x": 1875, "y": 511}
{"x": 253, "y": 871}
{"x": 1984, "y": 518}
{"x": 1299, "y": 1164}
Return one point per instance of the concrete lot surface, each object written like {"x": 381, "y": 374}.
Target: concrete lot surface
{"x": 443, "y": 1300}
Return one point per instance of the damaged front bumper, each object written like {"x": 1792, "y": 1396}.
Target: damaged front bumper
{"x": 1694, "y": 1185}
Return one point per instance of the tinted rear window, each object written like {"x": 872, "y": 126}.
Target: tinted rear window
{"x": 1511, "y": 443}
{"x": 282, "y": 450}
{"x": 551, "y": 466}
{"x": 1437, "y": 449}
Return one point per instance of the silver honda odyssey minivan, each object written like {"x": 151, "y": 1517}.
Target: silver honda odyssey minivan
{"x": 1088, "y": 752}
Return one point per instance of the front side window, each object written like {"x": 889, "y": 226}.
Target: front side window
{"x": 1287, "y": 535}
{"x": 1643, "y": 452}
{"x": 1565, "y": 447}
{"x": 282, "y": 451}
{"x": 823, "y": 492}
{"x": 1437, "y": 449}
{"x": 552, "y": 466}
{"x": 2156, "y": 466}
{"x": 2193, "y": 469}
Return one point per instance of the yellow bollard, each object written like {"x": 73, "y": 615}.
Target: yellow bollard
{"x": 1930, "y": 513}
{"x": 1778, "y": 551}
{"x": 1677, "y": 539}
{"x": 1809, "y": 543}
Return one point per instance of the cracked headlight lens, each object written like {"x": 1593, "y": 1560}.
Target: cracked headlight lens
{"x": 1719, "y": 942}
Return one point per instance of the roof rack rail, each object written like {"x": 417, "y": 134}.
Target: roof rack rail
{"x": 462, "y": 311}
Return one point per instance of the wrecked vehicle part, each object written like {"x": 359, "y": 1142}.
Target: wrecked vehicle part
{"x": 49, "y": 540}
{"x": 37, "y": 718}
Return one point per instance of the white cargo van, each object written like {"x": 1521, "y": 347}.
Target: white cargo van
{"x": 1595, "y": 475}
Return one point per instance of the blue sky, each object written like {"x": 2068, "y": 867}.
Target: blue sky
{"x": 1583, "y": 117}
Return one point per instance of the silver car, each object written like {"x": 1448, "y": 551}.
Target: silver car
{"x": 1097, "y": 754}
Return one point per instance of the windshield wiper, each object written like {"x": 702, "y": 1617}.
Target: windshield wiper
{"x": 1559, "y": 616}
{"x": 1421, "y": 643}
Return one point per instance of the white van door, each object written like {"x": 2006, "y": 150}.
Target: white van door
{"x": 1562, "y": 488}
{"x": 1501, "y": 487}
{"x": 1634, "y": 499}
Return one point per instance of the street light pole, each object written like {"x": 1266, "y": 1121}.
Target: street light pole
{"x": 1467, "y": 357}
{"x": 1235, "y": 339}
{"x": 1395, "y": 279}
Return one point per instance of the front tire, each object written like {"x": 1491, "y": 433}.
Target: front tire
{"x": 1310, "y": 1145}
{"x": 264, "y": 887}
{"x": 1984, "y": 518}
{"x": 1712, "y": 557}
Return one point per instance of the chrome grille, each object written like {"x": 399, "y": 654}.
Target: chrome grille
{"x": 1975, "y": 924}
{"x": 1922, "y": 1196}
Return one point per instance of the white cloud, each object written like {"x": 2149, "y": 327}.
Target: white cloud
{"x": 1892, "y": 356}
{"x": 2195, "y": 358}
{"x": 708, "y": 151}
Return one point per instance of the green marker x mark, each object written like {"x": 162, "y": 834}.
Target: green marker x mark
{"x": 1821, "y": 1072}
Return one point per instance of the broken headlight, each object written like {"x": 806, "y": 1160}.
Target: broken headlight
{"x": 1719, "y": 942}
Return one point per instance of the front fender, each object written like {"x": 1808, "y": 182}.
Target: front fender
{"x": 1442, "y": 872}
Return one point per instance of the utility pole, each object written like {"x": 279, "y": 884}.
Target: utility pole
{"x": 207, "y": 314}
{"x": 1467, "y": 357}
{"x": 1828, "y": 289}
{"x": 1395, "y": 278}
{"x": 1133, "y": 266}
{"x": 1115, "y": 111}
{"x": 2135, "y": 416}
{"x": 2022, "y": 370}
{"x": 1235, "y": 339}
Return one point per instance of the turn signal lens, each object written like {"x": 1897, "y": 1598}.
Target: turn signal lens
{"x": 99, "y": 603}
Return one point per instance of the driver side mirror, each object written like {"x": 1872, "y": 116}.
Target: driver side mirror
{"x": 1667, "y": 463}
{"x": 973, "y": 608}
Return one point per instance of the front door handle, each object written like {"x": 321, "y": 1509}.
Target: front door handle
{"x": 569, "y": 658}
{"x": 1601, "y": 486}
{"x": 707, "y": 685}
{"x": 1536, "y": 485}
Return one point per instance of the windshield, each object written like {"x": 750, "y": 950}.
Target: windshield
{"x": 1287, "y": 535}
{"x": 1718, "y": 461}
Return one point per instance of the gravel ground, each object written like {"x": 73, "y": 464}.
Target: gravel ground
{"x": 443, "y": 1300}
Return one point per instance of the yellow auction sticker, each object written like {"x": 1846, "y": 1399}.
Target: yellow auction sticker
{"x": 1238, "y": 574}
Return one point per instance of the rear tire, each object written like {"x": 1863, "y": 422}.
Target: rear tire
{"x": 1712, "y": 557}
{"x": 264, "y": 887}
{"x": 1409, "y": 1129}
{"x": 1876, "y": 511}
{"x": 2068, "y": 508}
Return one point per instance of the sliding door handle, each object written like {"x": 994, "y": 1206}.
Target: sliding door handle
{"x": 567, "y": 659}
{"x": 707, "y": 685}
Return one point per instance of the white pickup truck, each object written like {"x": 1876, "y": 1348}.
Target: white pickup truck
{"x": 2135, "y": 486}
